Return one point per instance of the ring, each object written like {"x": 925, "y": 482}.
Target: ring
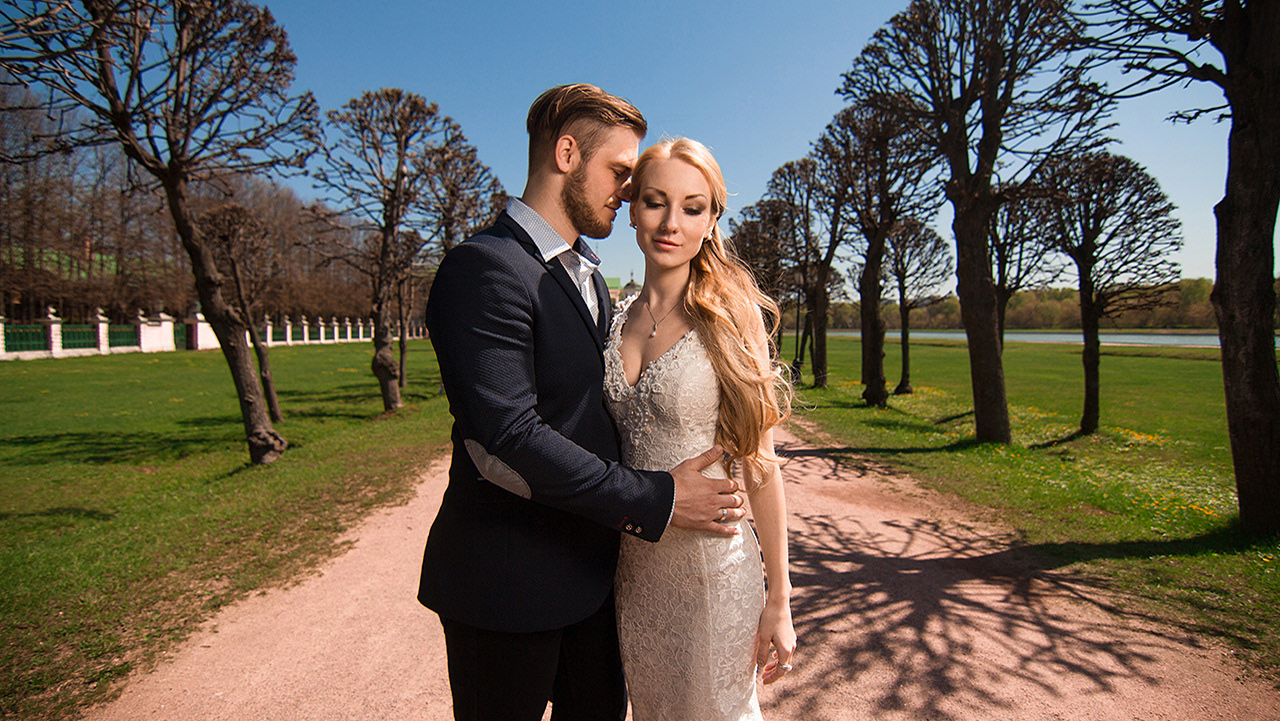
{"x": 724, "y": 513}
{"x": 785, "y": 667}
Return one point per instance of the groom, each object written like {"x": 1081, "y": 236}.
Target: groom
{"x": 519, "y": 563}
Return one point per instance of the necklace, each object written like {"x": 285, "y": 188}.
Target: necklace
{"x": 656, "y": 321}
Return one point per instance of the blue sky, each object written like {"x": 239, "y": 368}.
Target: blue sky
{"x": 753, "y": 80}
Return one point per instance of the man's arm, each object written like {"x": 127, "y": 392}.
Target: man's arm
{"x": 481, "y": 322}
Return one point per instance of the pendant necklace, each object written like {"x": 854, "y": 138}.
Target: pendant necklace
{"x": 656, "y": 321}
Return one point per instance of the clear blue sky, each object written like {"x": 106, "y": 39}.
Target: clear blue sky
{"x": 754, "y": 80}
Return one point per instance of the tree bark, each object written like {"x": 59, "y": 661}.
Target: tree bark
{"x": 904, "y": 316}
{"x": 818, "y": 320}
{"x": 875, "y": 391}
{"x": 978, "y": 314}
{"x": 259, "y": 350}
{"x": 803, "y": 339}
{"x": 1245, "y": 303}
{"x": 265, "y": 444}
{"x": 1091, "y": 356}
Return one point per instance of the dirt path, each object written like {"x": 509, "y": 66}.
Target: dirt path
{"x": 905, "y": 611}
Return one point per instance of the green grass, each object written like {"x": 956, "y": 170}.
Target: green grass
{"x": 1146, "y": 505}
{"x": 129, "y": 512}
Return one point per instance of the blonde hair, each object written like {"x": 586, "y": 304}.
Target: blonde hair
{"x": 733, "y": 317}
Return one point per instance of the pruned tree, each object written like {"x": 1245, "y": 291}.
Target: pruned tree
{"x": 190, "y": 90}
{"x": 919, "y": 262}
{"x": 795, "y": 187}
{"x": 988, "y": 86}
{"x": 463, "y": 195}
{"x": 757, "y": 239}
{"x": 1235, "y": 45}
{"x": 388, "y": 150}
{"x": 243, "y": 250}
{"x": 1021, "y": 256}
{"x": 879, "y": 171}
{"x": 1117, "y": 226}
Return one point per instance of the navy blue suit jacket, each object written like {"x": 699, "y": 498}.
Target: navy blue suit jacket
{"x": 522, "y": 365}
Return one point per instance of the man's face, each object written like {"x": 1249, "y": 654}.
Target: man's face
{"x": 596, "y": 188}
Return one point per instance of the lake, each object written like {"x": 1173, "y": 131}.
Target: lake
{"x": 1173, "y": 339}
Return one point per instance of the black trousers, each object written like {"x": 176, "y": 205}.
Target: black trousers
{"x": 496, "y": 676}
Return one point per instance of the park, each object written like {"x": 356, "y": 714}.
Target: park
{"x": 220, "y": 226}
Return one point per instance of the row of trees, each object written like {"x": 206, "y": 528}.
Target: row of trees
{"x": 990, "y": 106}
{"x": 78, "y": 233}
{"x": 1185, "y": 306}
{"x": 196, "y": 95}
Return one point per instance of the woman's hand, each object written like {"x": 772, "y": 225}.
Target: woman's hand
{"x": 775, "y": 640}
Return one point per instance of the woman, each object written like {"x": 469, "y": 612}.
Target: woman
{"x": 689, "y": 362}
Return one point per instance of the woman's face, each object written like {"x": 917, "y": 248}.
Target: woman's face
{"x": 672, "y": 212}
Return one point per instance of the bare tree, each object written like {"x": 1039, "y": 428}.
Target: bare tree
{"x": 757, "y": 239}
{"x": 795, "y": 187}
{"x": 1116, "y": 224}
{"x": 919, "y": 261}
{"x": 379, "y": 170}
{"x": 987, "y": 85}
{"x": 243, "y": 251}
{"x": 190, "y": 90}
{"x": 1234, "y": 44}
{"x": 1020, "y": 254}
{"x": 879, "y": 172}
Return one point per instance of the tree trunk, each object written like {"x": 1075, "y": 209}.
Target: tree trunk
{"x": 264, "y": 375}
{"x": 802, "y": 342}
{"x": 978, "y": 313}
{"x": 1091, "y": 356}
{"x": 265, "y": 444}
{"x": 402, "y": 323}
{"x": 384, "y": 365}
{"x": 1244, "y": 295}
{"x": 875, "y": 391}
{"x": 259, "y": 349}
{"x": 904, "y": 316}
{"x": 818, "y": 320}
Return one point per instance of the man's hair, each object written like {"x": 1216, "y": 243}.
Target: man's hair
{"x": 581, "y": 110}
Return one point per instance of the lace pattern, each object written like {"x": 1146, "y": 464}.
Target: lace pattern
{"x": 688, "y": 606}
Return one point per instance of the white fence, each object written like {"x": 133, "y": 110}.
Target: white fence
{"x": 160, "y": 333}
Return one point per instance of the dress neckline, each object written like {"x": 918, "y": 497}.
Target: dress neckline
{"x": 625, "y": 313}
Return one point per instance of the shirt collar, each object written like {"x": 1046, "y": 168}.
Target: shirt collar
{"x": 549, "y": 242}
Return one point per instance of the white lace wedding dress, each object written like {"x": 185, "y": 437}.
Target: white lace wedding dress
{"x": 688, "y": 606}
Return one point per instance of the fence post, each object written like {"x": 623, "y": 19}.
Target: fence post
{"x": 333, "y": 329}
{"x": 306, "y": 329}
{"x": 52, "y": 332}
{"x": 266, "y": 320}
{"x": 1, "y": 335}
{"x": 346, "y": 322}
{"x": 104, "y": 331}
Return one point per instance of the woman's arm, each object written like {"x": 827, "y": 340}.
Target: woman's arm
{"x": 769, "y": 509}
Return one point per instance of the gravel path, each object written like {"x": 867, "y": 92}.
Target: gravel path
{"x": 905, "y": 610}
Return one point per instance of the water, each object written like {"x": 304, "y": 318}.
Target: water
{"x": 1173, "y": 339}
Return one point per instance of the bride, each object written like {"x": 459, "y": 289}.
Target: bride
{"x": 688, "y": 363}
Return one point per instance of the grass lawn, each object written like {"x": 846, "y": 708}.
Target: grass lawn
{"x": 129, "y": 512}
{"x": 1146, "y": 506}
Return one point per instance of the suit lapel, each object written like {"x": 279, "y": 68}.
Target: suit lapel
{"x": 556, "y": 270}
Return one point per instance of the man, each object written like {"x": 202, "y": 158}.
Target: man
{"x": 519, "y": 563}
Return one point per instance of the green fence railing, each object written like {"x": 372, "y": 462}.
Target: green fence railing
{"x": 24, "y": 337}
{"x": 122, "y": 335}
{"x": 79, "y": 336}
{"x": 180, "y": 336}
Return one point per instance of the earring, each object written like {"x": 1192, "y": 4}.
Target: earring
{"x": 633, "y": 224}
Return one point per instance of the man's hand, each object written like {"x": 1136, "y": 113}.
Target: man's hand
{"x": 705, "y": 504}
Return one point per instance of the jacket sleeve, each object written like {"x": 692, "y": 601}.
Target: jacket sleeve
{"x": 481, "y": 318}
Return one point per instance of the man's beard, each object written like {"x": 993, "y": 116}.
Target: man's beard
{"x": 583, "y": 217}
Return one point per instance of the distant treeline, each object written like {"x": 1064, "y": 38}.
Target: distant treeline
{"x": 1187, "y": 306}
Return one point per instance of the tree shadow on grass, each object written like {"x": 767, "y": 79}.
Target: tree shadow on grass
{"x": 101, "y": 447}
{"x": 67, "y": 512}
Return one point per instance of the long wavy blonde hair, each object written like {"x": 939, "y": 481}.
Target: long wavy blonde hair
{"x": 733, "y": 318}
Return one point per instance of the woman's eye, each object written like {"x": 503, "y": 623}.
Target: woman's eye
{"x": 652, "y": 204}
{"x": 694, "y": 211}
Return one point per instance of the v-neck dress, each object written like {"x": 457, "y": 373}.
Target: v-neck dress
{"x": 689, "y": 605}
